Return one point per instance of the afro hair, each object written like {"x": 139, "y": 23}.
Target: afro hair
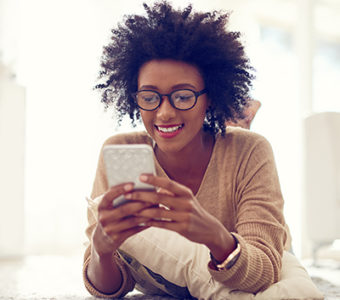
{"x": 200, "y": 39}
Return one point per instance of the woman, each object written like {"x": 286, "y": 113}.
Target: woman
{"x": 185, "y": 76}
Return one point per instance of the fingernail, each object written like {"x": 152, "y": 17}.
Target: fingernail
{"x": 143, "y": 178}
{"x": 128, "y": 196}
{"x": 128, "y": 187}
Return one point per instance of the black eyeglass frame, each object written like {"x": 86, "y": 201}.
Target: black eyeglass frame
{"x": 197, "y": 94}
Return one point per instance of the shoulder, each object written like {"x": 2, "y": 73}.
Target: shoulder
{"x": 241, "y": 145}
{"x": 140, "y": 137}
{"x": 240, "y": 138}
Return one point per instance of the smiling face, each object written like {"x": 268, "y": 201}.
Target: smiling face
{"x": 173, "y": 130}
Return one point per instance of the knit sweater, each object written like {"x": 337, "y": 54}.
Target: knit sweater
{"x": 241, "y": 189}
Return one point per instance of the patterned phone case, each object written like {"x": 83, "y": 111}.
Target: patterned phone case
{"x": 125, "y": 163}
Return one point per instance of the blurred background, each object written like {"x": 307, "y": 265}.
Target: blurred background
{"x": 52, "y": 123}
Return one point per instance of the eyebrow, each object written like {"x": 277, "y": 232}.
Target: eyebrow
{"x": 177, "y": 86}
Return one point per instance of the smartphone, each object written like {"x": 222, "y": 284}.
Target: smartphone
{"x": 125, "y": 163}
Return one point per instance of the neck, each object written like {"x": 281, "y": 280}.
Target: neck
{"x": 190, "y": 161}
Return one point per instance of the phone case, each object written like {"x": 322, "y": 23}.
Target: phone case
{"x": 125, "y": 163}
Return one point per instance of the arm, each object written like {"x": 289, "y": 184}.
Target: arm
{"x": 103, "y": 270}
{"x": 259, "y": 223}
{"x": 105, "y": 276}
{"x": 104, "y": 273}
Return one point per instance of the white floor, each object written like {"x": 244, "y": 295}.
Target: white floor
{"x": 47, "y": 278}
{"x": 42, "y": 277}
{"x": 57, "y": 277}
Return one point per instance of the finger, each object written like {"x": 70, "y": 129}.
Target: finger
{"x": 164, "y": 192}
{"x": 178, "y": 227}
{"x": 166, "y": 183}
{"x": 115, "y": 215}
{"x": 178, "y": 203}
{"x": 153, "y": 198}
{"x": 164, "y": 214}
{"x": 119, "y": 239}
{"x": 113, "y": 193}
{"x": 126, "y": 224}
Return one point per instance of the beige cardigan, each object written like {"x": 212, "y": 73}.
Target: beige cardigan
{"x": 241, "y": 189}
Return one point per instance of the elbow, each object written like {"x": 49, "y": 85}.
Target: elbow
{"x": 269, "y": 274}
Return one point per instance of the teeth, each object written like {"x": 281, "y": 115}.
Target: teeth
{"x": 169, "y": 129}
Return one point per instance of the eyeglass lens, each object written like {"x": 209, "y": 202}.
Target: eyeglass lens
{"x": 181, "y": 99}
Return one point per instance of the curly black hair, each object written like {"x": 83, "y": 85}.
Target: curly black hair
{"x": 200, "y": 39}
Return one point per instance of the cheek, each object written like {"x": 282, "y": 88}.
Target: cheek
{"x": 196, "y": 120}
{"x": 200, "y": 115}
{"x": 146, "y": 118}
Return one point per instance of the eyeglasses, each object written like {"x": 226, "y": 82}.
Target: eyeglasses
{"x": 184, "y": 99}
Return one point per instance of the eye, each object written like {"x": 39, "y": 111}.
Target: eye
{"x": 183, "y": 96}
{"x": 149, "y": 97}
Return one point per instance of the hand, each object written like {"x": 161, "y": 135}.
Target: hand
{"x": 115, "y": 225}
{"x": 176, "y": 208}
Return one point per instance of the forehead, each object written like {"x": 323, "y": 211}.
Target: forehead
{"x": 169, "y": 72}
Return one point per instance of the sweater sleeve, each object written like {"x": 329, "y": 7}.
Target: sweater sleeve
{"x": 99, "y": 188}
{"x": 260, "y": 225}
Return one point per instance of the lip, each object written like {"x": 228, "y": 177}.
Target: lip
{"x": 169, "y": 134}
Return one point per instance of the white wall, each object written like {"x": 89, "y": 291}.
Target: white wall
{"x": 12, "y": 146}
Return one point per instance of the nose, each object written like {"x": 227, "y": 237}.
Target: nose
{"x": 166, "y": 111}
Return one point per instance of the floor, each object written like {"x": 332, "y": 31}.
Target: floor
{"x": 47, "y": 278}
{"x": 42, "y": 277}
{"x": 57, "y": 277}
